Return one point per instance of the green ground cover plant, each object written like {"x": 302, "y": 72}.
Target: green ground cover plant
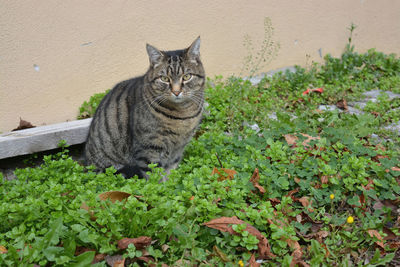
{"x": 309, "y": 188}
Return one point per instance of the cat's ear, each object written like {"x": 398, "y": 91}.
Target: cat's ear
{"x": 193, "y": 52}
{"x": 155, "y": 55}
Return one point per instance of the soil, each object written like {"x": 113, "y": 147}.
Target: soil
{"x": 8, "y": 165}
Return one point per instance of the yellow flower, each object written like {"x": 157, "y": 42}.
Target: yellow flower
{"x": 241, "y": 264}
{"x": 350, "y": 219}
{"x": 332, "y": 196}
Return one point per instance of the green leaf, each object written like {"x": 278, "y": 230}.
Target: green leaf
{"x": 70, "y": 247}
{"x": 52, "y": 237}
{"x": 52, "y": 252}
{"x": 84, "y": 260}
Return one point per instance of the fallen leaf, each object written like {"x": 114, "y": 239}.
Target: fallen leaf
{"x": 99, "y": 257}
{"x": 230, "y": 174}
{"x": 3, "y": 250}
{"x": 389, "y": 234}
{"x": 342, "y": 104}
{"x": 147, "y": 260}
{"x": 224, "y": 224}
{"x": 220, "y": 254}
{"x": 114, "y": 196}
{"x": 324, "y": 179}
{"x": 290, "y": 139}
{"x": 252, "y": 261}
{"x": 164, "y": 248}
{"x": 374, "y": 233}
{"x": 254, "y": 180}
{"x": 297, "y": 253}
{"x": 376, "y": 114}
{"x": 394, "y": 245}
{"x": 115, "y": 261}
{"x": 397, "y": 169}
{"x": 318, "y": 90}
{"x": 139, "y": 242}
{"x": 292, "y": 192}
{"x": 309, "y": 138}
{"x": 305, "y": 201}
{"x": 23, "y": 125}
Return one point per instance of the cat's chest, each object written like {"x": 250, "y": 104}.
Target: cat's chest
{"x": 180, "y": 128}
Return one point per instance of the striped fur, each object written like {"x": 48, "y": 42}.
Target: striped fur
{"x": 149, "y": 119}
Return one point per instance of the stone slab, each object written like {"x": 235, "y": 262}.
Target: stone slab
{"x": 43, "y": 138}
{"x": 257, "y": 79}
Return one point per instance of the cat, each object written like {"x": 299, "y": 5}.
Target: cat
{"x": 151, "y": 118}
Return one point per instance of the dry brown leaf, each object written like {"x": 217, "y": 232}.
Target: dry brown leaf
{"x": 88, "y": 209}
{"x": 164, "y": 248}
{"x": 229, "y": 174}
{"x": 394, "y": 245}
{"x": 297, "y": 253}
{"x": 254, "y": 180}
{"x": 305, "y": 201}
{"x": 253, "y": 262}
{"x": 291, "y": 139}
{"x": 23, "y": 125}
{"x": 292, "y": 192}
{"x": 375, "y": 233}
{"x": 139, "y": 242}
{"x": 224, "y": 224}
{"x": 3, "y": 250}
{"x": 324, "y": 179}
{"x": 99, "y": 257}
{"x": 389, "y": 234}
{"x": 309, "y": 139}
{"x": 119, "y": 263}
{"x": 115, "y": 260}
{"x": 114, "y": 196}
{"x": 147, "y": 259}
{"x": 220, "y": 254}
{"x": 342, "y": 104}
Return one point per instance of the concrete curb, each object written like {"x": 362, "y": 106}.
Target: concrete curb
{"x": 43, "y": 138}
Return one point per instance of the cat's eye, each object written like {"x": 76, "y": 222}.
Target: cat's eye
{"x": 164, "y": 79}
{"x": 187, "y": 77}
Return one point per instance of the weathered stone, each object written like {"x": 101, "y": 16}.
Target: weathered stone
{"x": 257, "y": 79}
{"x": 394, "y": 127}
{"x": 375, "y": 93}
{"x": 328, "y": 108}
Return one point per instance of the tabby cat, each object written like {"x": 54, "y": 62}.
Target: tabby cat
{"x": 149, "y": 119}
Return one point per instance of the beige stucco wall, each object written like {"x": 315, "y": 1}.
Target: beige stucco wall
{"x": 56, "y": 54}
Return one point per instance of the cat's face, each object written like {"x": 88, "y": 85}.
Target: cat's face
{"x": 176, "y": 76}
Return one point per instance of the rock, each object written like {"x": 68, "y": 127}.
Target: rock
{"x": 254, "y": 126}
{"x": 352, "y": 110}
{"x": 394, "y": 127}
{"x": 373, "y": 94}
{"x": 357, "y": 104}
{"x": 257, "y": 79}
{"x": 272, "y": 116}
{"x": 328, "y": 108}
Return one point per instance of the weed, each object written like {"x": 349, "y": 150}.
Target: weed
{"x": 306, "y": 187}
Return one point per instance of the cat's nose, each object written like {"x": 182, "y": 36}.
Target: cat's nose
{"x": 176, "y": 89}
{"x": 176, "y": 93}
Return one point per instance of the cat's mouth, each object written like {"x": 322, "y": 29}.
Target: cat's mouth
{"x": 177, "y": 98}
